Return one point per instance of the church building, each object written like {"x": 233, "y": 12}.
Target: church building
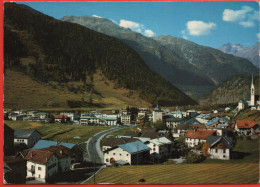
{"x": 254, "y": 102}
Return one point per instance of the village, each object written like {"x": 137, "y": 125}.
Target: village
{"x": 152, "y": 136}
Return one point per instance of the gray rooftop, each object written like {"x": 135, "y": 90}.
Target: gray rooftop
{"x": 227, "y": 141}
{"x": 24, "y": 133}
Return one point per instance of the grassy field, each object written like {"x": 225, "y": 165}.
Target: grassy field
{"x": 21, "y": 91}
{"x": 59, "y": 132}
{"x": 244, "y": 170}
{"x": 248, "y": 114}
{"x": 181, "y": 174}
{"x": 121, "y": 132}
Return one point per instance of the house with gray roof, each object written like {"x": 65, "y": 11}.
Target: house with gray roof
{"x": 220, "y": 147}
{"x": 133, "y": 153}
{"x": 27, "y": 136}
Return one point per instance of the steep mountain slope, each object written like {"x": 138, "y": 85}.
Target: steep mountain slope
{"x": 250, "y": 53}
{"x": 189, "y": 66}
{"x": 231, "y": 91}
{"x": 50, "y": 50}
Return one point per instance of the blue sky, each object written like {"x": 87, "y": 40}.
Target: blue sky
{"x": 206, "y": 23}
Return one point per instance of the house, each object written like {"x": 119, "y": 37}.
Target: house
{"x": 182, "y": 129}
{"x": 219, "y": 147}
{"x": 60, "y": 118}
{"x": 242, "y": 104}
{"x": 112, "y": 142}
{"x": 89, "y": 120}
{"x": 160, "y": 147}
{"x": 133, "y": 153}
{"x": 41, "y": 165}
{"x": 16, "y": 173}
{"x": 77, "y": 151}
{"x": 149, "y": 133}
{"x": 246, "y": 127}
{"x": 203, "y": 118}
{"x": 64, "y": 156}
{"x": 125, "y": 119}
{"x": 111, "y": 121}
{"x": 27, "y": 136}
{"x": 198, "y": 136}
{"x": 172, "y": 122}
{"x": 8, "y": 140}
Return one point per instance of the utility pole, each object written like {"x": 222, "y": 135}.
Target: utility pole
{"x": 94, "y": 141}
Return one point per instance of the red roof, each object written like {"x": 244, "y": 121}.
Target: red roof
{"x": 60, "y": 151}
{"x": 245, "y": 124}
{"x": 60, "y": 116}
{"x": 38, "y": 156}
{"x": 200, "y": 134}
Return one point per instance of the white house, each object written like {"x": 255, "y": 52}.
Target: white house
{"x": 111, "y": 121}
{"x": 89, "y": 120}
{"x": 172, "y": 122}
{"x": 41, "y": 164}
{"x": 220, "y": 147}
{"x": 132, "y": 153}
{"x": 160, "y": 147}
{"x": 49, "y": 162}
{"x": 198, "y": 136}
{"x": 242, "y": 104}
{"x": 28, "y": 136}
{"x": 126, "y": 119}
{"x": 246, "y": 127}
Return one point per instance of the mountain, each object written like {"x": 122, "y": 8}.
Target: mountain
{"x": 189, "y": 66}
{"x": 70, "y": 56}
{"x": 250, "y": 53}
{"x": 231, "y": 91}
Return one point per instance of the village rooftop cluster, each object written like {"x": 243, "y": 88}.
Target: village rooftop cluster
{"x": 160, "y": 135}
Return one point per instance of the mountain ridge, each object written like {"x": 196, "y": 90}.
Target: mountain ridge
{"x": 63, "y": 52}
{"x": 250, "y": 53}
{"x": 189, "y": 66}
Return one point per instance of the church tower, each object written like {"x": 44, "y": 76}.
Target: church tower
{"x": 252, "y": 93}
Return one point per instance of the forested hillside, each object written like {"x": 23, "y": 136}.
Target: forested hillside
{"x": 51, "y": 50}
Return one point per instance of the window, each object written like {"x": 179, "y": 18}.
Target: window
{"x": 114, "y": 153}
{"x": 224, "y": 156}
{"x": 224, "y": 150}
{"x": 39, "y": 168}
{"x": 127, "y": 154}
{"x": 154, "y": 149}
{"x": 107, "y": 160}
{"x": 39, "y": 176}
{"x": 120, "y": 154}
{"x": 216, "y": 151}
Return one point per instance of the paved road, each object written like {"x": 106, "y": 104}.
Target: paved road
{"x": 93, "y": 145}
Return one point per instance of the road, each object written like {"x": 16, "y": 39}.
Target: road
{"x": 93, "y": 145}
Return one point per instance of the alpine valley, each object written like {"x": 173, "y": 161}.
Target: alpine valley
{"x": 193, "y": 68}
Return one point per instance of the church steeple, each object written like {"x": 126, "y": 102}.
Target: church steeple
{"x": 252, "y": 92}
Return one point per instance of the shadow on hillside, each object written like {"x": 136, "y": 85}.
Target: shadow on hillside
{"x": 239, "y": 155}
{"x": 72, "y": 176}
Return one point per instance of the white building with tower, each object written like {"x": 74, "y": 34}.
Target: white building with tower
{"x": 157, "y": 114}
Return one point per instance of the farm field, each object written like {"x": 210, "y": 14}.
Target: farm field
{"x": 181, "y": 174}
{"x": 59, "y": 132}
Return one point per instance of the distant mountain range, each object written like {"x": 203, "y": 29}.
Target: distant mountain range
{"x": 70, "y": 55}
{"x": 250, "y": 53}
{"x": 231, "y": 91}
{"x": 193, "y": 68}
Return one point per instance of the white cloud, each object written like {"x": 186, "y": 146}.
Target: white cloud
{"x": 258, "y": 36}
{"x": 198, "y": 28}
{"x": 95, "y": 16}
{"x": 247, "y": 23}
{"x": 149, "y": 33}
{"x": 244, "y": 17}
{"x": 130, "y": 24}
{"x": 137, "y": 27}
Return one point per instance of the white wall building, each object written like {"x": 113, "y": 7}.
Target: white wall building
{"x": 160, "y": 147}
{"x": 157, "y": 114}
{"x": 28, "y": 136}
